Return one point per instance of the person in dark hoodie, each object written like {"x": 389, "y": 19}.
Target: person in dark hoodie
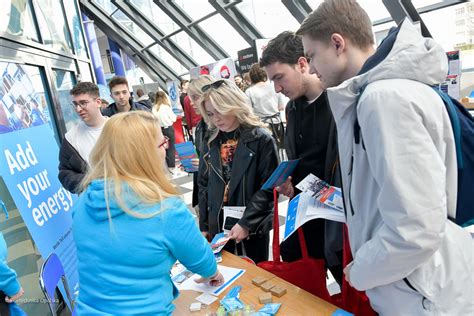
{"x": 398, "y": 162}
{"x": 120, "y": 93}
{"x": 130, "y": 226}
{"x": 144, "y": 99}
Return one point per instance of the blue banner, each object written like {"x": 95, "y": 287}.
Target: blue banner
{"x": 29, "y": 167}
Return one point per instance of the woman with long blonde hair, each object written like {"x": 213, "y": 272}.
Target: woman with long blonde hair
{"x": 166, "y": 117}
{"x": 239, "y": 157}
{"x": 130, "y": 226}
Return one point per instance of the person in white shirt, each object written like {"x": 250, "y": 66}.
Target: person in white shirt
{"x": 166, "y": 117}
{"x": 79, "y": 141}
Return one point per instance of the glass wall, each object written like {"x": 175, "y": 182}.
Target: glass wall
{"x": 52, "y": 24}
{"x": 16, "y": 18}
{"x": 74, "y": 22}
{"x": 63, "y": 82}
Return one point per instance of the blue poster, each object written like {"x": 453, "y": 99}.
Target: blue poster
{"x": 29, "y": 167}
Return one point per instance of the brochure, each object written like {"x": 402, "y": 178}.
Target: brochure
{"x": 321, "y": 191}
{"x": 281, "y": 173}
{"x": 303, "y": 208}
{"x": 218, "y": 242}
{"x": 186, "y": 153}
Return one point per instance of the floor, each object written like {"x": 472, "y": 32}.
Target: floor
{"x": 26, "y": 260}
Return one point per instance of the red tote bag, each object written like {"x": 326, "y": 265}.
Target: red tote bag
{"x": 306, "y": 273}
{"x": 353, "y": 301}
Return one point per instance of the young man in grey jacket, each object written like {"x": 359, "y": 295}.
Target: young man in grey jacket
{"x": 398, "y": 164}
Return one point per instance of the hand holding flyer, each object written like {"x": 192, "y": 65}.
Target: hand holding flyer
{"x": 218, "y": 242}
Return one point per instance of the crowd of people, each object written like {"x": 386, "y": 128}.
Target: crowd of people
{"x": 396, "y": 167}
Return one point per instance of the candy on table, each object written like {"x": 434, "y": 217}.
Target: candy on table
{"x": 265, "y": 298}
{"x": 267, "y": 286}
{"x": 278, "y": 291}
{"x": 259, "y": 280}
{"x": 194, "y": 307}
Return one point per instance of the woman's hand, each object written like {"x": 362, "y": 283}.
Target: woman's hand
{"x": 11, "y": 299}
{"x": 238, "y": 233}
{"x": 215, "y": 280}
{"x": 286, "y": 188}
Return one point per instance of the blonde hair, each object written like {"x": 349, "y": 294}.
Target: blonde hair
{"x": 161, "y": 98}
{"x": 228, "y": 99}
{"x": 126, "y": 152}
{"x": 195, "y": 86}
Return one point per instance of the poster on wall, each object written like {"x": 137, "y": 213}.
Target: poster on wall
{"x": 221, "y": 69}
{"x": 452, "y": 84}
{"x": 29, "y": 167}
{"x": 20, "y": 106}
{"x": 173, "y": 94}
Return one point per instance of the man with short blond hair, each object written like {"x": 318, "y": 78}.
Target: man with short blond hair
{"x": 398, "y": 162}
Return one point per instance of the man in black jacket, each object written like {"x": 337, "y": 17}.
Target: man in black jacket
{"x": 79, "y": 140}
{"x": 120, "y": 92}
{"x": 311, "y": 137}
{"x": 144, "y": 99}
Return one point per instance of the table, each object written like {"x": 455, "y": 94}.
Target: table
{"x": 295, "y": 302}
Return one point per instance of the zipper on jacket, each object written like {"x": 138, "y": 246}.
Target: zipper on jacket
{"x": 350, "y": 185}
{"x": 222, "y": 203}
{"x": 414, "y": 289}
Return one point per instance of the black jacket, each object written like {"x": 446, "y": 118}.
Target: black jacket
{"x": 112, "y": 108}
{"x": 72, "y": 168}
{"x": 328, "y": 170}
{"x": 254, "y": 161}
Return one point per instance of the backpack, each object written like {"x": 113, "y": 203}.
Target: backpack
{"x": 462, "y": 123}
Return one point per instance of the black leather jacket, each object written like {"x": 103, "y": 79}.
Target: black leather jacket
{"x": 254, "y": 161}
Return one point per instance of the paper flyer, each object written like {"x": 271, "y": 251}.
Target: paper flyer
{"x": 230, "y": 275}
{"x": 323, "y": 192}
{"x": 186, "y": 153}
{"x": 218, "y": 242}
{"x": 304, "y": 208}
{"x": 281, "y": 173}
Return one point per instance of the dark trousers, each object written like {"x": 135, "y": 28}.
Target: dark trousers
{"x": 256, "y": 248}
{"x": 171, "y": 151}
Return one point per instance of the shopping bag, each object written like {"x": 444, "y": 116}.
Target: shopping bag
{"x": 306, "y": 273}
{"x": 352, "y": 300}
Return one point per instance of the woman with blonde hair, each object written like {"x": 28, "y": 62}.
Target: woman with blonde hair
{"x": 166, "y": 117}
{"x": 239, "y": 156}
{"x": 130, "y": 226}
{"x": 194, "y": 96}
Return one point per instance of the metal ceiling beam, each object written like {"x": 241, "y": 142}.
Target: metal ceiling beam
{"x": 126, "y": 39}
{"x": 120, "y": 38}
{"x": 300, "y": 9}
{"x": 237, "y": 19}
{"x": 131, "y": 11}
{"x": 422, "y": 10}
{"x": 185, "y": 22}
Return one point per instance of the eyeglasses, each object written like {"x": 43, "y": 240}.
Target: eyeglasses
{"x": 214, "y": 85}
{"x": 165, "y": 143}
{"x": 81, "y": 104}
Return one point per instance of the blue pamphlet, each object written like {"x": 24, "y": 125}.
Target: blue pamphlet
{"x": 281, "y": 173}
{"x": 186, "y": 154}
